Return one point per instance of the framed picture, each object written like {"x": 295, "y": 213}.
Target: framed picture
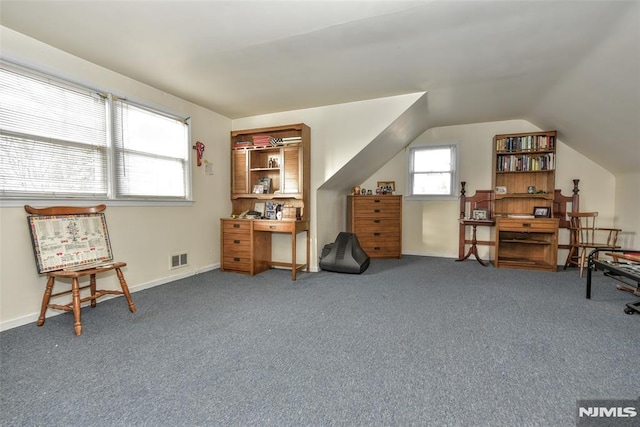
{"x": 541, "y": 212}
{"x": 266, "y": 184}
{"x": 479, "y": 214}
{"x": 501, "y": 190}
{"x": 387, "y": 186}
{"x": 258, "y": 189}
{"x": 259, "y": 207}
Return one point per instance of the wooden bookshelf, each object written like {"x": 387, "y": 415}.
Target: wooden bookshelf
{"x": 524, "y": 166}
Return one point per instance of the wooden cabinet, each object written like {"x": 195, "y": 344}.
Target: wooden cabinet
{"x": 278, "y": 159}
{"x": 377, "y": 222}
{"x": 524, "y": 179}
{"x": 275, "y": 157}
{"x": 530, "y": 244}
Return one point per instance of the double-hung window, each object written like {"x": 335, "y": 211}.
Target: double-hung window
{"x": 63, "y": 141}
{"x": 432, "y": 171}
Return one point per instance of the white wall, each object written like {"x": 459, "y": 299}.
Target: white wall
{"x": 144, "y": 237}
{"x": 628, "y": 209}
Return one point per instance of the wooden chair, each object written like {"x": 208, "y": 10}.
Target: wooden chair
{"x": 75, "y": 272}
{"x": 585, "y": 236}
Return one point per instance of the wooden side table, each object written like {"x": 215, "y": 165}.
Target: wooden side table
{"x": 473, "y": 249}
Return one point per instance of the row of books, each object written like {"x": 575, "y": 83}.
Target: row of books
{"x": 525, "y": 163}
{"x": 526, "y": 143}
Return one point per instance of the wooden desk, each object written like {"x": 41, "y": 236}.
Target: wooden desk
{"x": 246, "y": 244}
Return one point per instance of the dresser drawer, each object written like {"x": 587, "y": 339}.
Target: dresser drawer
{"x": 383, "y": 225}
{"x": 375, "y": 251}
{"x": 376, "y": 208}
{"x": 378, "y": 236}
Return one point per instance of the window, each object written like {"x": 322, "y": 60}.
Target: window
{"x": 432, "y": 171}
{"x": 61, "y": 141}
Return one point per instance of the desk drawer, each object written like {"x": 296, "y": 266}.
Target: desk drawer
{"x": 533, "y": 225}
{"x": 236, "y": 263}
{"x": 275, "y": 226}
{"x": 237, "y": 225}
{"x": 230, "y": 240}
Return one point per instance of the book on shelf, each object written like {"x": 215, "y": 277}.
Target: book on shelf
{"x": 286, "y": 140}
{"x": 525, "y": 163}
{"x": 526, "y": 143}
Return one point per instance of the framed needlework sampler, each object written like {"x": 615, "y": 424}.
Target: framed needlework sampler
{"x": 62, "y": 242}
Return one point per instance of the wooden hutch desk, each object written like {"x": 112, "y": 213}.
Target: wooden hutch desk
{"x": 246, "y": 244}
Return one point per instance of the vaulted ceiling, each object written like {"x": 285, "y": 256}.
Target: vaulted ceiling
{"x": 573, "y": 66}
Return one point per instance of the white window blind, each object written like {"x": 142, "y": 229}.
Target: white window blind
{"x": 152, "y": 153}
{"x": 52, "y": 139}
{"x": 59, "y": 140}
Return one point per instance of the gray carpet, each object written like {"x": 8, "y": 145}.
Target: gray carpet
{"x": 418, "y": 341}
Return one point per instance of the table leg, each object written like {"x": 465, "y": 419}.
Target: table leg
{"x": 308, "y": 253}
{"x": 473, "y": 250}
{"x": 293, "y": 255}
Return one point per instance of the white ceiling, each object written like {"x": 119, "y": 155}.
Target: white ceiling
{"x": 567, "y": 65}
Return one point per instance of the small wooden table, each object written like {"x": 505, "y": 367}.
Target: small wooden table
{"x": 473, "y": 250}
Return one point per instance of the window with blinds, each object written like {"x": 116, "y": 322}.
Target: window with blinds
{"x": 59, "y": 140}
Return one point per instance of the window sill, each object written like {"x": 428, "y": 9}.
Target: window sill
{"x": 19, "y": 203}
{"x": 430, "y": 198}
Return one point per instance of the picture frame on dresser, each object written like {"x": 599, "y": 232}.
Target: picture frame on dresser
{"x": 541, "y": 212}
{"x": 390, "y": 186}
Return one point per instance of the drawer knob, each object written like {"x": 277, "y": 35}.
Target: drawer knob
{"x": 377, "y": 221}
{"x": 376, "y": 234}
{"x": 236, "y": 241}
{"x": 236, "y": 225}
{"x": 377, "y": 248}
{"x": 273, "y": 227}
{"x": 376, "y": 201}
{"x": 526, "y": 224}
{"x": 236, "y": 259}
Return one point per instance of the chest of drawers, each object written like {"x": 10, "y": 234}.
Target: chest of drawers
{"x": 377, "y": 222}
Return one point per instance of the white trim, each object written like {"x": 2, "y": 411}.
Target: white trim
{"x": 33, "y": 317}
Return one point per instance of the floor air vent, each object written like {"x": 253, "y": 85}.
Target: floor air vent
{"x": 179, "y": 260}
